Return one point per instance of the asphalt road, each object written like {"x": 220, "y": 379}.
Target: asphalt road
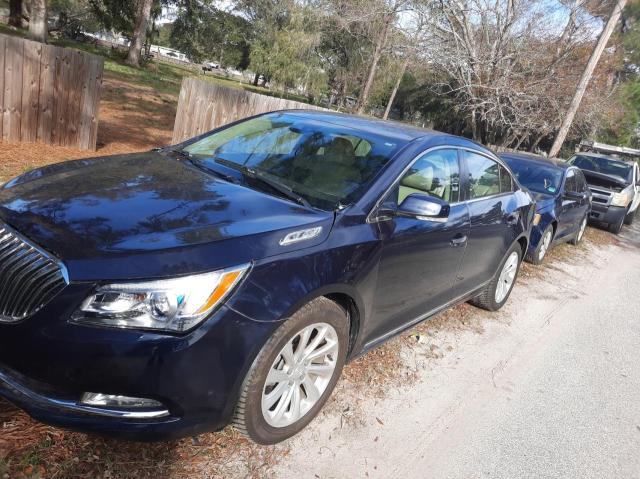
{"x": 550, "y": 389}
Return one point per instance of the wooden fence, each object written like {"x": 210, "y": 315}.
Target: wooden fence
{"x": 203, "y": 106}
{"x": 49, "y": 94}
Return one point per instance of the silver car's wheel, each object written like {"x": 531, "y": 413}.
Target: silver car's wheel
{"x": 544, "y": 245}
{"x": 294, "y": 373}
{"x": 300, "y": 374}
{"x": 507, "y": 277}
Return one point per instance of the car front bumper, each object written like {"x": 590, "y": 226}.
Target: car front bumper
{"x": 607, "y": 214}
{"x": 46, "y": 363}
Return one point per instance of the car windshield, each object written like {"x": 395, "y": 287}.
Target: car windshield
{"x": 536, "y": 176}
{"x": 325, "y": 163}
{"x": 606, "y": 166}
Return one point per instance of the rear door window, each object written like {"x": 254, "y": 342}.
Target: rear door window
{"x": 506, "y": 181}
{"x": 486, "y": 176}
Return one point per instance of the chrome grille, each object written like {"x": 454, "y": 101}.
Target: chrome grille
{"x": 29, "y": 277}
{"x": 601, "y": 196}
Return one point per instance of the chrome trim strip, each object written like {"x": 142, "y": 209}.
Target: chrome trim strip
{"x": 30, "y": 277}
{"x": 43, "y": 252}
{"x": 74, "y": 407}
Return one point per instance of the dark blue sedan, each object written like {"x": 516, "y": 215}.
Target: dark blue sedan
{"x": 563, "y": 201}
{"x": 229, "y": 278}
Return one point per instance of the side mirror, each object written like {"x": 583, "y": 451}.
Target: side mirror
{"x": 424, "y": 207}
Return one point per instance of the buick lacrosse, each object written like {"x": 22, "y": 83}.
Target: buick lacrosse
{"x": 228, "y": 279}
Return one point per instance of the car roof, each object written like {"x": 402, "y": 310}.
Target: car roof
{"x": 541, "y": 160}
{"x": 602, "y": 155}
{"x": 387, "y": 128}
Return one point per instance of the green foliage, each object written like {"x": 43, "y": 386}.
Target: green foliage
{"x": 120, "y": 15}
{"x": 162, "y": 35}
{"x": 204, "y": 32}
{"x": 288, "y": 56}
{"x": 625, "y": 129}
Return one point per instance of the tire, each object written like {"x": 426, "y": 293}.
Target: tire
{"x": 575, "y": 241}
{"x": 537, "y": 257}
{"x": 616, "y": 228}
{"x": 262, "y": 425}
{"x": 487, "y": 298}
{"x": 628, "y": 220}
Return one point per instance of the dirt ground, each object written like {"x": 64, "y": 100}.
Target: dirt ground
{"x": 544, "y": 388}
{"x": 132, "y": 118}
{"x": 136, "y": 118}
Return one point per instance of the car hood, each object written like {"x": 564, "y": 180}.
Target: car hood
{"x": 94, "y": 213}
{"x": 543, "y": 201}
{"x": 604, "y": 181}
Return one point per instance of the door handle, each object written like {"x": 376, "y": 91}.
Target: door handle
{"x": 459, "y": 240}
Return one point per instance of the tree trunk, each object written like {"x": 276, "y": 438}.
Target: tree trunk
{"x": 586, "y": 77}
{"x": 474, "y": 125}
{"x": 16, "y": 14}
{"x": 38, "y": 21}
{"x": 533, "y": 147}
{"x": 381, "y": 42}
{"x": 520, "y": 141}
{"x": 139, "y": 32}
{"x": 395, "y": 90}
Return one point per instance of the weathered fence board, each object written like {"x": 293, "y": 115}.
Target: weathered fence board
{"x": 49, "y": 94}
{"x": 203, "y": 106}
{"x": 30, "y": 91}
{"x": 12, "y": 89}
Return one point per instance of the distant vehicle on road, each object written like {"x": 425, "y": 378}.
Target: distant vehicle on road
{"x": 615, "y": 184}
{"x": 563, "y": 201}
{"x": 229, "y": 278}
{"x": 210, "y": 66}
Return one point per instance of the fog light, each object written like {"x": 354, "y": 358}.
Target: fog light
{"x": 111, "y": 400}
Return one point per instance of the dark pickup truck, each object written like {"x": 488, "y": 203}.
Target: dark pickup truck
{"x": 615, "y": 185}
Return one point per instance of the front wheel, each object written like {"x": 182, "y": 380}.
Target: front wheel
{"x": 543, "y": 246}
{"x": 580, "y": 234}
{"x": 616, "y": 227}
{"x": 628, "y": 220}
{"x": 294, "y": 373}
{"x": 495, "y": 294}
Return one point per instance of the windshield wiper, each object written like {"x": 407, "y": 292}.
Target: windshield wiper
{"x": 184, "y": 154}
{"x": 198, "y": 163}
{"x": 273, "y": 184}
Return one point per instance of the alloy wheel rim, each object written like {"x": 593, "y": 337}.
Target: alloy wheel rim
{"x": 507, "y": 277}
{"x": 300, "y": 374}
{"x": 544, "y": 247}
{"x": 583, "y": 227}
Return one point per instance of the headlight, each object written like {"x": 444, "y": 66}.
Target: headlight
{"x": 172, "y": 305}
{"x": 620, "y": 199}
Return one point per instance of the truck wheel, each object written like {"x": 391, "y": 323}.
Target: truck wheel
{"x": 294, "y": 373}
{"x": 495, "y": 294}
{"x": 543, "y": 247}
{"x": 615, "y": 228}
{"x": 630, "y": 217}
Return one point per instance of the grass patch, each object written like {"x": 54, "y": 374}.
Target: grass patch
{"x": 164, "y": 77}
